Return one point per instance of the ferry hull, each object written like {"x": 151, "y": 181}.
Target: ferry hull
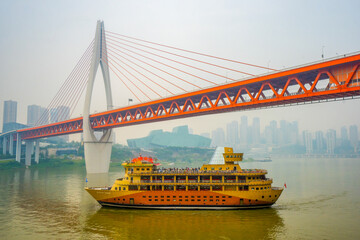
{"x": 187, "y": 200}
{"x": 184, "y": 207}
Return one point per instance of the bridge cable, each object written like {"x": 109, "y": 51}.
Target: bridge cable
{"x": 148, "y": 71}
{"x": 68, "y": 90}
{"x": 193, "y": 59}
{"x": 178, "y": 63}
{"x": 122, "y": 80}
{"x": 157, "y": 67}
{"x": 141, "y": 74}
{"x": 76, "y": 87}
{"x": 63, "y": 89}
{"x": 134, "y": 76}
{"x": 184, "y": 50}
{"x": 58, "y": 98}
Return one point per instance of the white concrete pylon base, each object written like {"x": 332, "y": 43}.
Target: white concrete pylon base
{"x": 97, "y": 156}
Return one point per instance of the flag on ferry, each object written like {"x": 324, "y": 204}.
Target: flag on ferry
{"x": 285, "y": 185}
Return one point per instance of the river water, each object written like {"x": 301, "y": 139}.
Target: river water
{"x": 321, "y": 201}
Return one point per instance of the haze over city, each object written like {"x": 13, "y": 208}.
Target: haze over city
{"x": 37, "y": 55}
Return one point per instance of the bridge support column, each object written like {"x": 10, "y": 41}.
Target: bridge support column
{"x": 37, "y": 151}
{"x": 18, "y": 147}
{"x": 97, "y": 156}
{"x": 11, "y": 145}
{"x": 4, "y": 145}
{"x": 29, "y": 148}
{"x": 97, "y": 152}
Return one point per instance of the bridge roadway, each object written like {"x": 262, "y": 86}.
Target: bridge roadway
{"x": 295, "y": 85}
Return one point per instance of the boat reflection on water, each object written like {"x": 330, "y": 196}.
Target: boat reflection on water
{"x": 159, "y": 224}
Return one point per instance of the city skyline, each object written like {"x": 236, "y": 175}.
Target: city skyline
{"x": 287, "y": 43}
{"x": 62, "y": 113}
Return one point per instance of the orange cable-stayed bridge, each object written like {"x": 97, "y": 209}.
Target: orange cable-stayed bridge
{"x": 194, "y": 84}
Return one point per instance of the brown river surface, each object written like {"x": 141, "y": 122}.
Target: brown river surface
{"x": 321, "y": 201}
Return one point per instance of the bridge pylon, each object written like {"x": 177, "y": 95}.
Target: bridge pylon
{"x": 97, "y": 151}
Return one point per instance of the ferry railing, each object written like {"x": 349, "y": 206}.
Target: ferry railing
{"x": 201, "y": 181}
{"x": 216, "y": 172}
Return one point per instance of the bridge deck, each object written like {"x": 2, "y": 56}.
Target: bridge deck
{"x": 339, "y": 77}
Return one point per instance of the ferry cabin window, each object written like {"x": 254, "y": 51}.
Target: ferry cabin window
{"x": 124, "y": 188}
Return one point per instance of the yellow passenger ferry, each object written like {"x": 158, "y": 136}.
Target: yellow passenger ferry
{"x": 221, "y": 184}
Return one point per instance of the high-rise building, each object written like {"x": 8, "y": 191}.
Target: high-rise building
{"x": 218, "y": 137}
{"x": 319, "y": 142}
{"x": 268, "y": 135}
{"x": 34, "y": 113}
{"x": 344, "y": 134}
{"x": 10, "y": 112}
{"x": 294, "y": 133}
{"x": 244, "y": 139}
{"x": 256, "y": 131}
{"x": 330, "y": 141}
{"x": 274, "y": 130}
{"x": 284, "y": 133}
{"x": 232, "y": 133}
{"x": 308, "y": 142}
{"x": 354, "y": 137}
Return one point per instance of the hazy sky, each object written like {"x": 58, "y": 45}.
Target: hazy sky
{"x": 41, "y": 41}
